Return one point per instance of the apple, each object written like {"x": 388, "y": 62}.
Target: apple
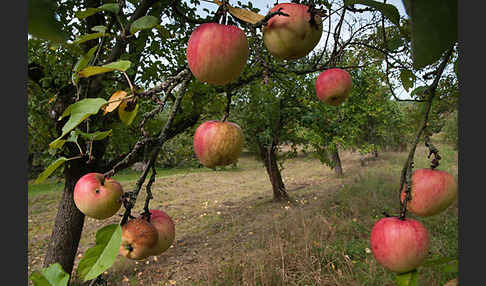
{"x": 399, "y": 245}
{"x": 291, "y": 37}
{"x": 218, "y": 143}
{"x": 217, "y": 53}
{"x": 333, "y": 86}
{"x": 98, "y": 197}
{"x": 139, "y": 237}
{"x": 432, "y": 192}
{"x": 165, "y": 228}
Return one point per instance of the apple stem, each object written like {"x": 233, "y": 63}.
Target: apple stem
{"x": 386, "y": 214}
{"x": 269, "y": 16}
{"x": 149, "y": 192}
{"x": 220, "y": 15}
{"x": 313, "y": 11}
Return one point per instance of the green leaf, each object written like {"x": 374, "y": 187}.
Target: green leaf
{"x": 82, "y": 63}
{"x": 144, "y": 23}
{"x": 127, "y": 117}
{"x": 94, "y": 70}
{"x": 418, "y": 91}
{"x": 42, "y": 23}
{"x": 394, "y": 44}
{"x": 86, "y": 13}
{"x": 101, "y": 256}
{"x": 56, "y": 144}
{"x": 452, "y": 267}
{"x": 98, "y": 135}
{"x": 101, "y": 29}
{"x": 79, "y": 111}
{"x": 433, "y": 28}
{"x": 119, "y": 65}
{"x": 111, "y": 7}
{"x": 53, "y": 275}
{"x": 407, "y": 279}
{"x": 47, "y": 172}
{"x": 388, "y": 10}
{"x": 88, "y": 37}
{"x": 407, "y": 77}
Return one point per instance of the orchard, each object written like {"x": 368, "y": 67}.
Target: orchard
{"x": 245, "y": 92}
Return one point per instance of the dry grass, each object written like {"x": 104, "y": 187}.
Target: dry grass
{"x": 230, "y": 232}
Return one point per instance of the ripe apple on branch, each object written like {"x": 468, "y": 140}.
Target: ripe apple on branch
{"x": 98, "y": 197}
{"x": 218, "y": 143}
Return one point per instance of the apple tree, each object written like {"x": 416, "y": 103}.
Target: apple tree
{"x": 127, "y": 62}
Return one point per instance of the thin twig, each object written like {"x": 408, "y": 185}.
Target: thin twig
{"x": 409, "y": 162}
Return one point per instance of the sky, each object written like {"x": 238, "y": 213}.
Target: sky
{"x": 266, "y": 5}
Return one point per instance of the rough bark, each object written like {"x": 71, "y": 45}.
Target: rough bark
{"x": 338, "y": 169}
{"x": 270, "y": 160}
{"x": 68, "y": 225}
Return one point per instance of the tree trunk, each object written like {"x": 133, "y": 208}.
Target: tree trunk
{"x": 375, "y": 152}
{"x": 270, "y": 161}
{"x": 338, "y": 169}
{"x": 68, "y": 225}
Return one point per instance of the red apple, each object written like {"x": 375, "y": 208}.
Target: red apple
{"x": 291, "y": 37}
{"x": 218, "y": 143}
{"x": 333, "y": 86}
{"x": 399, "y": 245}
{"x": 139, "y": 237}
{"x": 217, "y": 53}
{"x": 97, "y": 200}
{"x": 165, "y": 228}
{"x": 432, "y": 192}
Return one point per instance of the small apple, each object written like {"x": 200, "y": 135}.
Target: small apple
{"x": 139, "y": 237}
{"x": 333, "y": 86}
{"x": 97, "y": 197}
{"x": 291, "y": 37}
{"x": 165, "y": 229}
{"x": 399, "y": 245}
{"x": 217, "y": 53}
{"x": 218, "y": 143}
{"x": 432, "y": 192}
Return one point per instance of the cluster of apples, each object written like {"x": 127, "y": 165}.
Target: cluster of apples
{"x": 217, "y": 54}
{"x": 100, "y": 198}
{"x": 401, "y": 245}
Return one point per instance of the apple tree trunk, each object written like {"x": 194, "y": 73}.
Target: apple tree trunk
{"x": 338, "y": 169}
{"x": 68, "y": 225}
{"x": 270, "y": 160}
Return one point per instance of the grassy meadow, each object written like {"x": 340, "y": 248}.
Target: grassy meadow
{"x": 230, "y": 232}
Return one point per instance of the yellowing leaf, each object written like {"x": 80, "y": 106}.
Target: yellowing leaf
{"x": 243, "y": 14}
{"x": 114, "y": 101}
{"x": 127, "y": 116}
{"x": 246, "y": 15}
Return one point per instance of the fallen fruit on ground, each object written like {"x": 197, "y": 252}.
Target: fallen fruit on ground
{"x": 333, "y": 86}
{"x": 399, "y": 245}
{"x": 432, "y": 192}
{"x": 139, "y": 237}
{"x": 218, "y": 143}
{"x": 97, "y": 197}
{"x": 217, "y": 53}
{"x": 291, "y": 37}
{"x": 165, "y": 227}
